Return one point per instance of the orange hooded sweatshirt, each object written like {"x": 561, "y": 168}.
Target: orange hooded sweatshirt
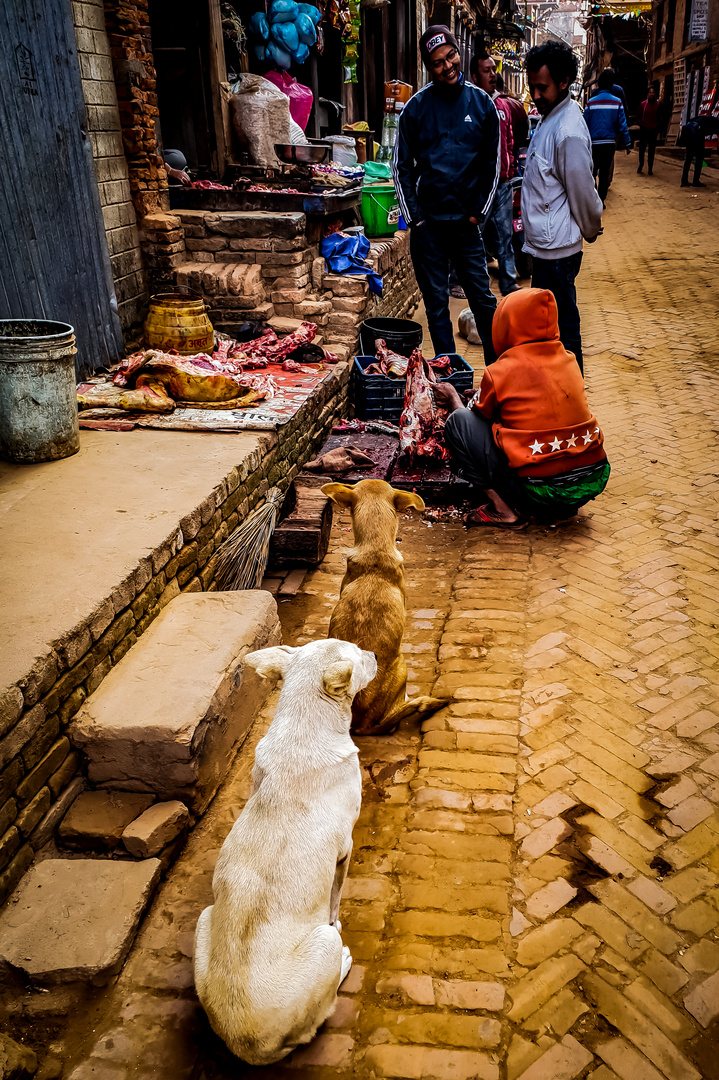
{"x": 534, "y": 392}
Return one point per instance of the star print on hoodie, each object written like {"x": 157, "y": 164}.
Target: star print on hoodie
{"x": 534, "y": 392}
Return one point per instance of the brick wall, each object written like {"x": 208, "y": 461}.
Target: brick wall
{"x": 128, "y": 32}
{"x": 111, "y": 169}
{"x": 40, "y": 773}
{"x": 262, "y": 265}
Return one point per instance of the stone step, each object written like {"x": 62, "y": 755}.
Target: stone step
{"x": 237, "y": 279}
{"x": 169, "y": 717}
{"x": 75, "y": 919}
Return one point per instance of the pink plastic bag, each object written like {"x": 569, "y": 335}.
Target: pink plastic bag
{"x": 301, "y": 98}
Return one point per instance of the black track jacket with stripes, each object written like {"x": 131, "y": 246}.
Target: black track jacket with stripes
{"x": 446, "y": 158}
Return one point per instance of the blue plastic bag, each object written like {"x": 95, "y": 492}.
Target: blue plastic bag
{"x": 260, "y": 52}
{"x": 278, "y": 56}
{"x": 300, "y": 54}
{"x": 285, "y": 34}
{"x": 259, "y": 25}
{"x": 306, "y": 29}
{"x": 283, "y": 11}
{"x": 346, "y": 255}
{"x": 312, "y": 11}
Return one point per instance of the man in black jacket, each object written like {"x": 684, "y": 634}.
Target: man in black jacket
{"x": 446, "y": 168}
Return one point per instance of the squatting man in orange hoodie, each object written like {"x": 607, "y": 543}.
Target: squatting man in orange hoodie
{"x": 527, "y": 438}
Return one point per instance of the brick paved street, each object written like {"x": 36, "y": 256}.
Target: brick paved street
{"x": 533, "y": 893}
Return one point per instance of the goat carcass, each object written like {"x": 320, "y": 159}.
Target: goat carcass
{"x": 421, "y": 425}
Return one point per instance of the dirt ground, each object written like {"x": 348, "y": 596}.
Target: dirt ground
{"x": 533, "y": 891}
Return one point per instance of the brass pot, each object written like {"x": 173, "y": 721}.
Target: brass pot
{"x": 178, "y": 320}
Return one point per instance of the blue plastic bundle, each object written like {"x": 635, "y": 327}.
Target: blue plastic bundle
{"x": 286, "y": 33}
{"x": 259, "y": 26}
{"x": 286, "y": 36}
{"x": 283, "y": 11}
{"x": 306, "y": 29}
{"x": 346, "y": 254}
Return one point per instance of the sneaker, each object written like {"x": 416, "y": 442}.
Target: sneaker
{"x": 458, "y": 292}
{"x": 512, "y": 288}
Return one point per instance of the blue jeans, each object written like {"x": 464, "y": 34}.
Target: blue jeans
{"x": 558, "y": 275}
{"x": 434, "y": 246}
{"x": 498, "y": 227}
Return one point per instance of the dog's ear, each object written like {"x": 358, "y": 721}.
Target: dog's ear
{"x": 341, "y": 494}
{"x": 271, "y": 663}
{"x": 337, "y": 677}
{"x": 403, "y": 500}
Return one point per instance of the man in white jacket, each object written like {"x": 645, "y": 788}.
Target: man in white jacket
{"x": 560, "y": 204}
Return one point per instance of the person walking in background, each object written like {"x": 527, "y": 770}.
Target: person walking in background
{"x": 607, "y": 123}
{"x": 560, "y": 205}
{"x": 648, "y": 129}
{"x": 615, "y": 89}
{"x": 693, "y": 136}
{"x": 498, "y": 225}
{"x": 446, "y": 169}
{"x": 518, "y": 115}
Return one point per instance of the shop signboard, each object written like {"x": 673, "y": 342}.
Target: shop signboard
{"x": 699, "y": 20}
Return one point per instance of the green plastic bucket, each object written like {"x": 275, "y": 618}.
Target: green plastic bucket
{"x": 380, "y": 209}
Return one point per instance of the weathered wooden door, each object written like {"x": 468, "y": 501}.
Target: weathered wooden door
{"x": 54, "y": 261}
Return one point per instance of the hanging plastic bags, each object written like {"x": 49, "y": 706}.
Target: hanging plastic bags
{"x": 300, "y": 96}
{"x": 286, "y": 36}
{"x": 306, "y": 29}
{"x": 259, "y": 26}
{"x": 283, "y": 11}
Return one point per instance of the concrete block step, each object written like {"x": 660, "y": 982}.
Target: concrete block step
{"x": 169, "y": 717}
{"x": 74, "y": 920}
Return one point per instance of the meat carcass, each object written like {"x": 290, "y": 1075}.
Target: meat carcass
{"x": 391, "y": 363}
{"x": 276, "y": 353}
{"x": 181, "y": 378}
{"x": 421, "y": 425}
{"x": 107, "y": 396}
{"x": 125, "y": 374}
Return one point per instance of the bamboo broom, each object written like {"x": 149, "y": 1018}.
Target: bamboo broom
{"x": 241, "y": 561}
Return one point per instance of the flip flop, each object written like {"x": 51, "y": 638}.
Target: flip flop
{"x": 487, "y": 522}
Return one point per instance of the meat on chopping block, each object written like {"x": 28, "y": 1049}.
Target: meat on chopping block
{"x": 421, "y": 425}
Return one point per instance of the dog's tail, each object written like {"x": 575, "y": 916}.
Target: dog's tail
{"x": 418, "y": 708}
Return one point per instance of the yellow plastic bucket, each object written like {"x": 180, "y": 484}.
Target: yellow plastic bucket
{"x": 380, "y": 209}
{"x": 178, "y": 320}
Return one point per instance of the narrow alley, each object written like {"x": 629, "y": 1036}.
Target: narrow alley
{"x": 533, "y": 890}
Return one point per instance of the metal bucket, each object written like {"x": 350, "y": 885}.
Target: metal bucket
{"x": 178, "y": 320}
{"x": 38, "y": 399}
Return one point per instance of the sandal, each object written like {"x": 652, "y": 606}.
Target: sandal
{"x": 487, "y": 522}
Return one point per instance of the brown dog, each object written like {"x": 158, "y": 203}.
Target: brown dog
{"x": 371, "y": 608}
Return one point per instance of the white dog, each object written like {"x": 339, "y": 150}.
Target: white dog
{"x": 268, "y": 954}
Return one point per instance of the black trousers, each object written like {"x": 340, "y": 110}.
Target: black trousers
{"x": 648, "y": 143}
{"x": 559, "y": 275}
{"x": 434, "y": 247}
{"x": 477, "y": 458}
{"x": 695, "y": 150}
{"x": 603, "y": 159}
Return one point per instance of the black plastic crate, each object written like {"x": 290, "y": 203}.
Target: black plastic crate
{"x": 378, "y": 397}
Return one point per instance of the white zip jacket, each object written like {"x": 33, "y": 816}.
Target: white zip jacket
{"x": 560, "y": 204}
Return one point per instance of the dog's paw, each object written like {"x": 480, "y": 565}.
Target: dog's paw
{"x": 346, "y": 963}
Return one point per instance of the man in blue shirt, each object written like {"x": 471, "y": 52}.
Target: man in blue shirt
{"x": 605, "y": 117}
{"x": 446, "y": 170}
